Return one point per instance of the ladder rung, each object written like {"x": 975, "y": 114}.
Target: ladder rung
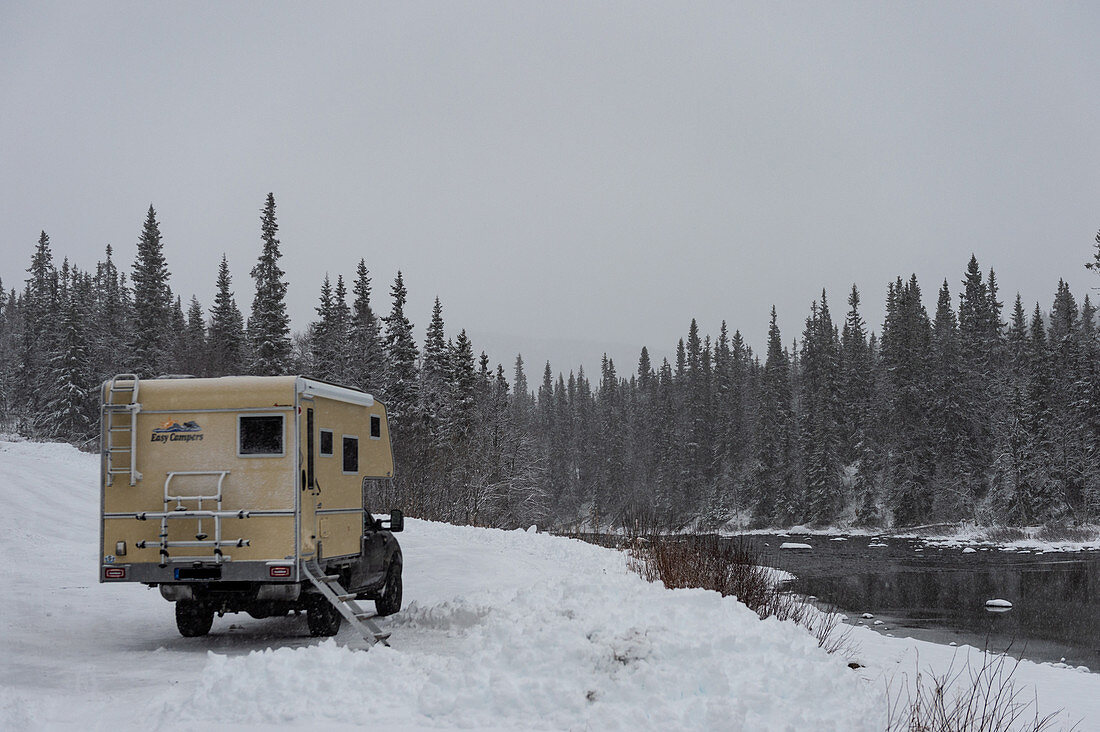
{"x": 345, "y": 598}
{"x": 120, "y": 449}
{"x": 382, "y": 636}
{"x": 366, "y": 615}
{"x": 120, "y": 429}
{"x": 330, "y": 578}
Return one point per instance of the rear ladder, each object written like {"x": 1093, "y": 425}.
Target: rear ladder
{"x": 120, "y": 427}
{"x": 344, "y": 602}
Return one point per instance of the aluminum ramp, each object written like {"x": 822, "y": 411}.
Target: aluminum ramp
{"x": 359, "y": 619}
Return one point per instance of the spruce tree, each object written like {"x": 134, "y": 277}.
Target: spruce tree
{"x": 949, "y": 417}
{"x": 906, "y": 341}
{"x": 112, "y": 319}
{"x": 367, "y": 362}
{"x": 194, "y": 355}
{"x": 434, "y": 376}
{"x": 820, "y": 433}
{"x": 70, "y": 413}
{"x": 322, "y": 356}
{"x": 152, "y": 335}
{"x": 1094, "y": 265}
{"x": 401, "y": 353}
{"x": 772, "y": 479}
{"x": 269, "y": 324}
{"x": 340, "y": 333}
{"x": 177, "y": 327}
{"x": 39, "y": 337}
{"x": 227, "y": 336}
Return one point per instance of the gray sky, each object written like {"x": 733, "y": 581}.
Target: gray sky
{"x": 563, "y": 175}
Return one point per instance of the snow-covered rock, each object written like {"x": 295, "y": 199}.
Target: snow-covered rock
{"x": 794, "y": 545}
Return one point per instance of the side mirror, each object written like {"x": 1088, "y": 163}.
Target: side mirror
{"x": 397, "y": 520}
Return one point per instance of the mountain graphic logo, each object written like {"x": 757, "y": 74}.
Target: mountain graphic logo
{"x": 172, "y": 426}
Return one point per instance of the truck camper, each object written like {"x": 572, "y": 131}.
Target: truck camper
{"x": 249, "y": 494}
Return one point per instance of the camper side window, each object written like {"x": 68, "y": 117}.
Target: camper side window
{"x": 326, "y": 443}
{"x": 351, "y": 454}
{"x": 260, "y": 436}
{"x": 375, "y": 427}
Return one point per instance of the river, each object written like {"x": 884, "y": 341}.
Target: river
{"x": 939, "y": 594}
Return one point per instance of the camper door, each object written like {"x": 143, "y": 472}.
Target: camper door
{"x": 310, "y": 488}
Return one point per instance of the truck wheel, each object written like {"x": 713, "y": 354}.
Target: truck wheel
{"x": 390, "y": 601}
{"x": 193, "y": 618}
{"x": 322, "y": 618}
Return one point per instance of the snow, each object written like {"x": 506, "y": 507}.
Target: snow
{"x": 794, "y": 545}
{"x": 998, "y": 603}
{"x": 502, "y": 630}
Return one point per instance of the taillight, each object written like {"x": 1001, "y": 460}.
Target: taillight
{"x": 278, "y": 571}
{"x": 114, "y": 573}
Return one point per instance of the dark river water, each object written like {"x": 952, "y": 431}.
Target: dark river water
{"x": 939, "y": 594}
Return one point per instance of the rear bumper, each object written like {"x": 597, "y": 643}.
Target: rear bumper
{"x": 152, "y": 573}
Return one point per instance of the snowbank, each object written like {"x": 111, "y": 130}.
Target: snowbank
{"x": 502, "y": 630}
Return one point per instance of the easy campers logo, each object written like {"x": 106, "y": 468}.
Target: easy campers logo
{"x": 173, "y": 431}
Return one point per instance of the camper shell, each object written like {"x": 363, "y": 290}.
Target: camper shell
{"x": 248, "y": 493}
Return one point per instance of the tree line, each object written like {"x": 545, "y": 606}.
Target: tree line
{"x": 969, "y": 412}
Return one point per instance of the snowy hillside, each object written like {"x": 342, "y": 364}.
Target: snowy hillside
{"x": 503, "y": 630}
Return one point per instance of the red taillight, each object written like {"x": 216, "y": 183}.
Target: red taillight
{"x": 114, "y": 573}
{"x": 279, "y": 571}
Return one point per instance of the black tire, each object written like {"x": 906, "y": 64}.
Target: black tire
{"x": 193, "y": 619}
{"x": 322, "y": 618}
{"x": 390, "y": 601}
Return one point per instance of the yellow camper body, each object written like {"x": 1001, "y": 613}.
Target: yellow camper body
{"x": 235, "y": 479}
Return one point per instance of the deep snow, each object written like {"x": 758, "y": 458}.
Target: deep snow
{"x": 503, "y": 630}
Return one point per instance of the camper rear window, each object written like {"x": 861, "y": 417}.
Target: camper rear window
{"x": 375, "y": 427}
{"x": 260, "y": 435}
{"x": 351, "y": 454}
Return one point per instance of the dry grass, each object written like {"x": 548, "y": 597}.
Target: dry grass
{"x": 731, "y": 568}
{"x": 970, "y": 698}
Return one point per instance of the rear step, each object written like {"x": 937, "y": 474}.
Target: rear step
{"x": 329, "y": 587}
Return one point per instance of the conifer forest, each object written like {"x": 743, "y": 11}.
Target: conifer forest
{"x": 975, "y": 410}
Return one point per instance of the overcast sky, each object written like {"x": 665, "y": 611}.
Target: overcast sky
{"x": 563, "y": 176}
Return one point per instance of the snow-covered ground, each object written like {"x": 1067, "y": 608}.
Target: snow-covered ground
{"x": 502, "y": 630}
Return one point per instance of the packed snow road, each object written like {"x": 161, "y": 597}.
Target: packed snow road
{"x": 502, "y": 630}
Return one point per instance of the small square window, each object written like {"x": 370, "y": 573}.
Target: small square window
{"x": 260, "y": 435}
{"x": 326, "y": 443}
{"x": 375, "y": 427}
{"x": 351, "y": 454}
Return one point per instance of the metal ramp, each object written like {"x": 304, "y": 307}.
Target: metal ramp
{"x": 120, "y": 410}
{"x": 359, "y": 619}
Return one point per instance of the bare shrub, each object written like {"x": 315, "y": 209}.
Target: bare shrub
{"x": 732, "y": 568}
{"x": 968, "y": 698}
{"x": 1004, "y": 534}
{"x": 1065, "y": 532}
